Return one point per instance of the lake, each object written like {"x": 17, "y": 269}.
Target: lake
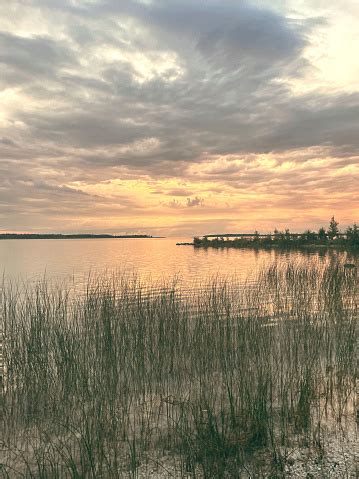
{"x": 122, "y": 378}
{"x": 157, "y": 258}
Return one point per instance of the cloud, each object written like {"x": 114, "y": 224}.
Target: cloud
{"x": 196, "y": 201}
{"x": 24, "y": 59}
{"x": 200, "y": 93}
{"x": 225, "y": 33}
{"x": 7, "y": 142}
{"x": 178, "y": 192}
{"x": 189, "y": 203}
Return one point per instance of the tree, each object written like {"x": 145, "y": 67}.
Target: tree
{"x": 205, "y": 241}
{"x": 352, "y": 233}
{"x": 256, "y": 236}
{"x": 309, "y": 235}
{"x": 322, "y": 235}
{"x": 333, "y": 228}
{"x": 279, "y": 235}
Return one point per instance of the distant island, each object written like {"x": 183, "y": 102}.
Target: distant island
{"x": 324, "y": 238}
{"x": 4, "y": 236}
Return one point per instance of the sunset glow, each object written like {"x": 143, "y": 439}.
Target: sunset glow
{"x": 178, "y": 117}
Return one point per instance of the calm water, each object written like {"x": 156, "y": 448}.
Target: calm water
{"x": 30, "y": 260}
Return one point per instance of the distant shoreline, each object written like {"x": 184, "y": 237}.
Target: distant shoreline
{"x": 54, "y": 236}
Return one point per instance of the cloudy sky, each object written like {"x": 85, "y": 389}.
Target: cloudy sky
{"x": 178, "y": 116}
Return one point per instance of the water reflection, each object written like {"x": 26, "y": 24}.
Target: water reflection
{"x": 158, "y": 259}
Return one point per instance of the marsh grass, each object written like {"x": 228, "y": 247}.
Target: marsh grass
{"x": 96, "y": 384}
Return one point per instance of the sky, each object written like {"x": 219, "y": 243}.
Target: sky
{"x": 178, "y": 117}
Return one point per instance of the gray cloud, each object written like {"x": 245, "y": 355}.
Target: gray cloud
{"x": 227, "y": 33}
{"x": 196, "y": 79}
{"x": 196, "y": 201}
{"x": 24, "y": 59}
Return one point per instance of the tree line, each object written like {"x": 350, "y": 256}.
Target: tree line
{"x": 324, "y": 236}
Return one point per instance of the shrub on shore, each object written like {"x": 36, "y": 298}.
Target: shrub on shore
{"x": 285, "y": 239}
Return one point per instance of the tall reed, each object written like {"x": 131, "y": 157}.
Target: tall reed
{"x": 223, "y": 378}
